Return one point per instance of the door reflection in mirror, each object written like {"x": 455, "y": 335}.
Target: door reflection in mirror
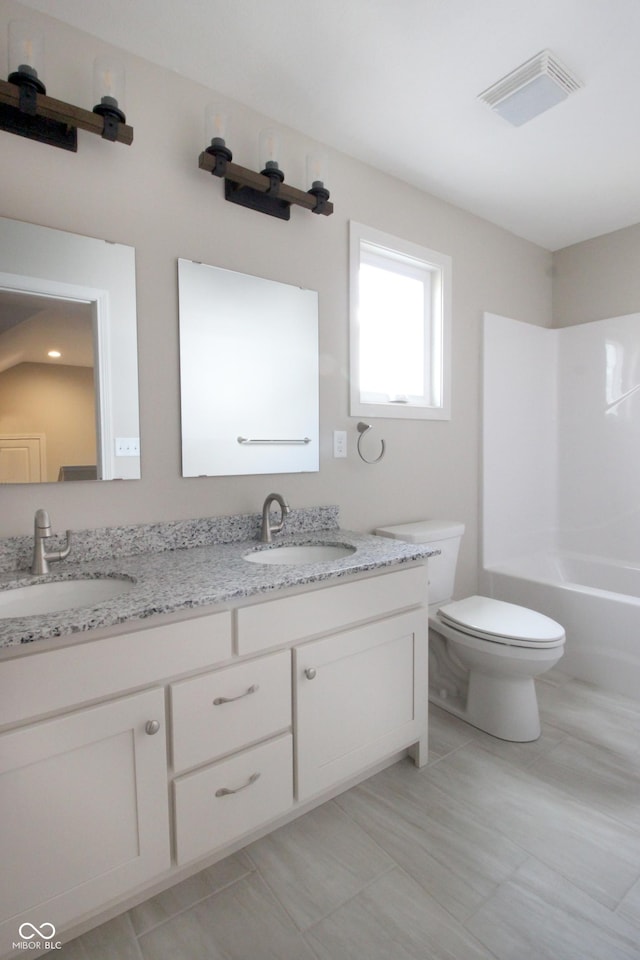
{"x": 48, "y": 406}
{"x": 68, "y": 357}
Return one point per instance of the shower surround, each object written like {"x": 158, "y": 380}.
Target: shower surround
{"x": 561, "y": 485}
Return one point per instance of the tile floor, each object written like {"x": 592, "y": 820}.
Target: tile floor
{"x": 493, "y": 850}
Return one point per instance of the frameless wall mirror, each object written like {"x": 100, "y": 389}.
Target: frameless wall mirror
{"x": 68, "y": 357}
{"x": 248, "y": 374}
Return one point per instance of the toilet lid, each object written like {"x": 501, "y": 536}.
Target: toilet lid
{"x": 501, "y": 622}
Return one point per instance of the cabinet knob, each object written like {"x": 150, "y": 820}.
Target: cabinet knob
{"x": 151, "y": 727}
{"x": 310, "y": 673}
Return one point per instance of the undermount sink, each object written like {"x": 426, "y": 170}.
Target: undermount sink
{"x": 301, "y": 553}
{"x": 40, "y": 598}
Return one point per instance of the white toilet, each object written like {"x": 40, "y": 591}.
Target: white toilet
{"x": 483, "y": 653}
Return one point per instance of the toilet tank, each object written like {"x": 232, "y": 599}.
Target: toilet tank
{"x": 442, "y": 535}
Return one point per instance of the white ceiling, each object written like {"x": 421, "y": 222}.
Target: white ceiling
{"x": 395, "y": 83}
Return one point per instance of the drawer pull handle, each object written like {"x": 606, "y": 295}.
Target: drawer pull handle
{"x": 227, "y": 791}
{"x": 252, "y": 689}
{"x": 310, "y": 673}
{"x": 151, "y": 727}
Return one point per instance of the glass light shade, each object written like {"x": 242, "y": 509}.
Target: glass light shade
{"x": 317, "y": 169}
{"x": 26, "y": 48}
{"x": 268, "y": 149}
{"x": 108, "y": 81}
{"x": 216, "y": 124}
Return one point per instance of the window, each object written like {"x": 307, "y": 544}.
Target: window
{"x": 400, "y": 327}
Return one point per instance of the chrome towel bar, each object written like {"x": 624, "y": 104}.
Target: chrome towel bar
{"x": 246, "y": 440}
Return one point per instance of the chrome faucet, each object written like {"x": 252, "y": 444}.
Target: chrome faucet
{"x": 267, "y": 527}
{"x": 42, "y": 532}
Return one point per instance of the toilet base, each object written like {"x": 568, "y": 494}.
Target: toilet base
{"x": 505, "y": 707}
{"x": 494, "y": 688}
{"x": 508, "y": 711}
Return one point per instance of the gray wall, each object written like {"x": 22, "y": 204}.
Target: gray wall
{"x": 152, "y": 195}
{"x": 597, "y": 279}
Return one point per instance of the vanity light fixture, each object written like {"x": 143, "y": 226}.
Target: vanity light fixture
{"x": 26, "y": 109}
{"x": 265, "y": 191}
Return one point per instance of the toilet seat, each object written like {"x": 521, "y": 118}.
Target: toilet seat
{"x": 499, "y": 622}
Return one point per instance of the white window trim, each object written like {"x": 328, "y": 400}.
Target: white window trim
{"x": 441, "y": 266}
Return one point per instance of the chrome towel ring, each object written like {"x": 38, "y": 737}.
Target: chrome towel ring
{"x": 362, "y": 429}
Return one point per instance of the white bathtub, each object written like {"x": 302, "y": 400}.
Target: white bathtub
{"x": 596, "y": 600}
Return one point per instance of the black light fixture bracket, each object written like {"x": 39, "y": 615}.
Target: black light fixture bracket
{"x": 265, "y": 192}
{"x": 25, "y": 109}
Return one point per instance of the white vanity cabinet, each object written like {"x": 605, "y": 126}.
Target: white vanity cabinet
{"x": 83, "y": 810}
{"x": 132, "y": 759}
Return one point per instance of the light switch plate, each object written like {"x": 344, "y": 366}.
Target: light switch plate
{"x": 127, "y": 446}
{"x": 339, "y": 443}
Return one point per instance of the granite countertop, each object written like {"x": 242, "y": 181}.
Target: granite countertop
{"x": 189, "y": 577}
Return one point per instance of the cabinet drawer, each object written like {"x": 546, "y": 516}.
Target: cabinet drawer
{"x": 328, "y": 609}
{"x": 228, "y": 709}
{"x": 219, "y": 804}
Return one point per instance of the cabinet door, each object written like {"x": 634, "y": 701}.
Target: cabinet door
{"x": 83, "y": 811}
{"x": 359, "y": 696}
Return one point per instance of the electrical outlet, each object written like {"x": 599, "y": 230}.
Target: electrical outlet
{"x": 339, "y": 443}
{"x": 127, "y": 446}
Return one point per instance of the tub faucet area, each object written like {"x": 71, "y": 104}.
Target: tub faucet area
{"x": 42, "y": 532}
{"x": 267, "y": 527}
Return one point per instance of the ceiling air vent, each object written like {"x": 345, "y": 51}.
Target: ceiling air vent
{"x": 531, "y": 89}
